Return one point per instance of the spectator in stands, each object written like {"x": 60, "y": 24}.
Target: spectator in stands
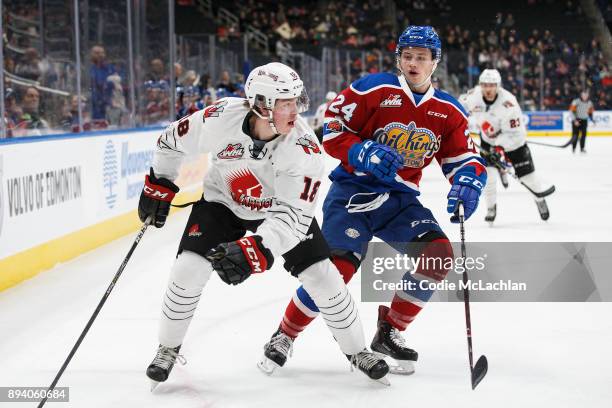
{"x": 116, "y": 111}
{"x": 226, "y": 82}
{"x": 10, "y": 107}
{"x": 70, "y": 115}
{"x": 31, "y": 122}
{"x": 156, "y": 70}
{"x": 9, "y": 64}
{"x": 101, "y": 89}
{"x": 31, "y": 66}
{"x": 206, "y": 89}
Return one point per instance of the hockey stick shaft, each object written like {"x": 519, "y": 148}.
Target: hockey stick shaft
{"x": 511, "y": 173}
{"x": 466, "y": 292}
{"x": 563, "y": 146}
{"x": 95, "y": 313}
{"x": 478, "y": 371}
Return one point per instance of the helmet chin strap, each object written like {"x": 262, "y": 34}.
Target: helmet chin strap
{"x": 272, "y": 125}
{"x": 269, "y": 118}
{"x": 420, "y": 84}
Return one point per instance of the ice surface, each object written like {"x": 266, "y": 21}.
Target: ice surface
{"x": 546, "y": 354}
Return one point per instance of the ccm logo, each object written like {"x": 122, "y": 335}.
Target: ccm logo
{"x": 436, "y": 114}
{"x": 252, "y": 255}
{"x": 154, "y": 193}
{"x": 471, "y": 180}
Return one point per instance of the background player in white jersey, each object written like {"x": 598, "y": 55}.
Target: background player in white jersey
{"x": 496, "y": 115}
{"x": 319, "y": 116}
{"x": 265, "y": 171}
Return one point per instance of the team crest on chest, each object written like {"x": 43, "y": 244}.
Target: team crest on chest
{"x": 414, "y": 143}
{"x": 246, "y": 189}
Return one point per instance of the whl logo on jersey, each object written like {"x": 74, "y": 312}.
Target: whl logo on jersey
{"x": 392, "y": 101}
{"x": 232, "y": 151}
{"x": 246, "y": 190}
{"x": 414, "y": 143}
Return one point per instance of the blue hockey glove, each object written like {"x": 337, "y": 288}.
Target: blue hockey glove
{"x": 466, "y": 188}
{"x": 381, "y": 161}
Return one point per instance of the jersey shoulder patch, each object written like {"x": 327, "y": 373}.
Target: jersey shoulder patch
{"x": 371, "y": 82}
{"x": 300, "y": 152}
{"x": 444, "y": 97}
{"x": 225, "y": 107}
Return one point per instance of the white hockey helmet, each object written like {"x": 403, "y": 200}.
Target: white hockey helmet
{"x": 490, "y": 76}
{"x": 330, "y": 96}
{"x": 267, "y": 83}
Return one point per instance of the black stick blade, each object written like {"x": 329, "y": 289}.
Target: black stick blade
{"x": 479, "y": 371}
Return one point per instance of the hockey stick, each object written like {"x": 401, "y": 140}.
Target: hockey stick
{"x": 505, "y": 170}
{"x": 478, "y": 371}
{"x": 95, "y": 313}
{"x": 563, "y": 146}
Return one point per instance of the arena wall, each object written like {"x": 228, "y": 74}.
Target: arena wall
{"x": 61, "y": 196}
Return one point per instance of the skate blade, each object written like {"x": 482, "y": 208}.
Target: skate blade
{"x": 398, "y": 367}
{"x": 404, "y": 368}
{"x": 384, "y": 381}
{"x": 154, "y": 385}
{"x": 267, "y": 366}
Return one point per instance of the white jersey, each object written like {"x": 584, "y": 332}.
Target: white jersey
{"x": 276, "y": 181}
{"x": 500, "y": 123}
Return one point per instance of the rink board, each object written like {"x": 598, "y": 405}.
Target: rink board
{"x": 559, "y": 123}
{"x": 63, "y": 196}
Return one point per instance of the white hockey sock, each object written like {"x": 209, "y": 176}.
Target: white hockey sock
{"x": 326, "y": 287}
{"x": 188, "y": 277}
{"x": 490, "y": 190}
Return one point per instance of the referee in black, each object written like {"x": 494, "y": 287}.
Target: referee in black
{"x": 582, "y": 110}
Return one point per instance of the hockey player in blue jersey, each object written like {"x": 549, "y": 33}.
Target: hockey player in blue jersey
{"x": 385, "y": 128}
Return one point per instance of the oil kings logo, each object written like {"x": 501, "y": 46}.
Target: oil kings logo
{"x": 110, "y": 173}
{"x": 415, "y": 144}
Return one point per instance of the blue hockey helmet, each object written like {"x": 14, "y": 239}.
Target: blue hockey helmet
{"x": 422, "y": 37}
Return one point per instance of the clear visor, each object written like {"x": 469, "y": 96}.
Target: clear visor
{"x": 302, "y": 103}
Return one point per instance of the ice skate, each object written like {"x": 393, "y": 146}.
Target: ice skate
{"x": 159, "y": 369}
{"x": 491, "y": 214}
{"x": 371, "y": 365}
{"x": 543, "y": 209}
{"x": 389, "y": 342}
{"x": 275, "y": 352}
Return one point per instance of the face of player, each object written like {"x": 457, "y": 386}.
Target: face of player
{"x": 417, "y": 65}
{"x": 285, "y": 114}
{"x": 489, "y": 91}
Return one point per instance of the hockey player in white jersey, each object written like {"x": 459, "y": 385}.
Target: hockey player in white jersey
{"x": 496, "y": 115}
{"x": 265, "y": 170}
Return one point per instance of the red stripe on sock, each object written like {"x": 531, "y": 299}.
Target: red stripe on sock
{"x": 402, "y": 313}
{"x": 294, "y": 320}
